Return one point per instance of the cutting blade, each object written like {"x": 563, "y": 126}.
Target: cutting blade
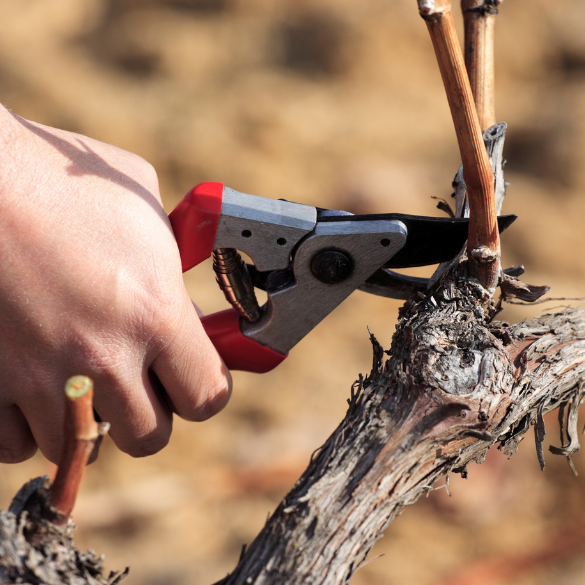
{"x": 430, "y": 240}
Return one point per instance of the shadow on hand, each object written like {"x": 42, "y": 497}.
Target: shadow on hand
{"x": 95, "y": 165}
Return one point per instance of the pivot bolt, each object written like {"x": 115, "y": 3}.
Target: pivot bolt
{"x": 331, "y": 266}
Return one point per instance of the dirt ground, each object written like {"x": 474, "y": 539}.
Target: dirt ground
{"x": 335, "y": 103}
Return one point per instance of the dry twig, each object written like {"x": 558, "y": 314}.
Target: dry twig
{"x": 81, "y": 433}
{"x": 480, "y": 18}
{"x": 483, "y": 245}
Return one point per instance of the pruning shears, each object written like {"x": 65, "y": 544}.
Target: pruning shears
{"x": 307, "y": 259}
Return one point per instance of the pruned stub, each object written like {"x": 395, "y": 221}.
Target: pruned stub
{"x": 444, "y": 340}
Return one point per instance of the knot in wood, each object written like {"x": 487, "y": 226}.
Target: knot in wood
{"x": 484, "y": 254}
{"x": 450, "y": 347}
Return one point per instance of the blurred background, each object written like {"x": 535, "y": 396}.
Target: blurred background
{"x": 335, "y": 103}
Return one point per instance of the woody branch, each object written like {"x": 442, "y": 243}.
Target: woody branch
{"x": 81, "y": 433}
{"x": 483, "y": 245}
{"x": 479, "y": 17}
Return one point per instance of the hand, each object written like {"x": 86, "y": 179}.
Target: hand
{"x": 91, "y": 284}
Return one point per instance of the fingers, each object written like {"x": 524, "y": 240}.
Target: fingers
{"x": 16, "y": 440}
{"x": 126, "y": 396}
{"x": 193, "y": 374}
{"x": 44, "y": 416}
{"x": 140, "y": 422}
{"x": 188, "y": 367}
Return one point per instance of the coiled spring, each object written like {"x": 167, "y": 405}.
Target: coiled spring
{"x": 234, "y": 280}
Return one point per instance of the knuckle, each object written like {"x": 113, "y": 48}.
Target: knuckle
{"x": 149, "y": 444}
{"x": 166, "y": 314}
{"x": 167, "y": 320}
{"x": 216, "y": 398}
{"x": 143, "y": 433}
{"x": 155, "y": 309}
{"x": 138, "y": 165}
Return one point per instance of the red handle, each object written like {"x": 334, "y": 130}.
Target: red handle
{"x": 194, "y": 222}
{"x": 238, "y": 351}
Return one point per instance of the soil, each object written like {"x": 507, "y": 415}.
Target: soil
{"x": 337, "y": 104}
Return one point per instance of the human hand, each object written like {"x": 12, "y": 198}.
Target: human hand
{"x": 91, "y": 284}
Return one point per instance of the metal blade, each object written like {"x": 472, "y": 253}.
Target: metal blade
{"x": 431, "y": 240}
{"x": 392, "y": 285}
{"x": 258, "y": 278}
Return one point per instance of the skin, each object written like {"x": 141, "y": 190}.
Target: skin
{"x": 91, "y": 284}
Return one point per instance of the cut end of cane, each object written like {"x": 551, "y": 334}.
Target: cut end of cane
{"x": 430, "y": 8}
{"x": 78, "y": 386}
{"x": 426, "y": 6}
{"x": 81, "y": 435}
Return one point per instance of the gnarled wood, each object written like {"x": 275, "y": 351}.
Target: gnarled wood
{"x": 455, "y": 385}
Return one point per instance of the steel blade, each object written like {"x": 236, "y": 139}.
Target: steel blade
{"x": 431, "y": 240}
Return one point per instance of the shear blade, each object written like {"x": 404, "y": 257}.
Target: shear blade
{"x": 393, "y": 285}
{"x": 434, "y": 240}
{"x": 430, "y": 240}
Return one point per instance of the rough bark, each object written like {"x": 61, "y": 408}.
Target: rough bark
{"x": 36, "y": 548}
{"x": 455, "y": 384}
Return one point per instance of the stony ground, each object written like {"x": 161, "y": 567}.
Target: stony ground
{"x": 334, "y": 103}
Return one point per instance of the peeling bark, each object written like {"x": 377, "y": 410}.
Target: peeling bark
{"x": 36, "y": 548}
{"x": 454, "y": 384}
